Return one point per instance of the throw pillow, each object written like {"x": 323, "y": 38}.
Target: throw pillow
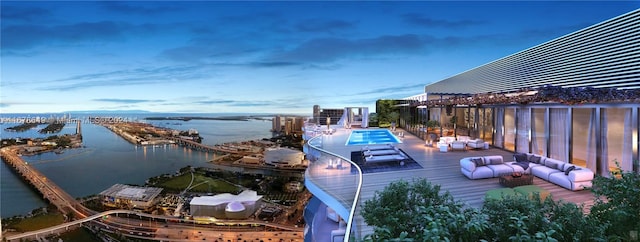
{"x": 478, "y": 161}
{"x": 520, "y": 157}
{"x": 496, "y": 161}
{"x": 571, "y": 168}
{"x": 551, "y": 165}
{"x": 534, "y": 159}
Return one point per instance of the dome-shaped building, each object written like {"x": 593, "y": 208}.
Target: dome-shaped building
{"x": 226, "y": 205}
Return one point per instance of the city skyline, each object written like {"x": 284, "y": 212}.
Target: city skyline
{"x": 260, "y": 57}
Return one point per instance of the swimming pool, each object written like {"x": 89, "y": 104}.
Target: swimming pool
{"x": 372, "y": 136}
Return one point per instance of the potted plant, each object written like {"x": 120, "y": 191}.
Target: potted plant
{"x": 431, "y": 124}
{"x": 453, "y": 121}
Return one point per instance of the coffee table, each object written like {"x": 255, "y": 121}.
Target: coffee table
{"x": 508, "y": 180}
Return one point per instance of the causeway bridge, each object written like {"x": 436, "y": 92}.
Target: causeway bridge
{"x": 50, "y": 191}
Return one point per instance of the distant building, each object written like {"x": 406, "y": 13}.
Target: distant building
{"x": 250, "y": 160}
{"x": 226, "y": 205}
{"x": 287, "y": 125}
{"x": 276, "y": 123}
{"x": 130, "y": 197}
{"x": 347, "y": 117}
{"x": 320, "y": 116}
{"x": 283, "y": 157}
{"x": 48, "y": 143}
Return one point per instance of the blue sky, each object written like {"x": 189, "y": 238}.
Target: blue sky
{"x": 266, "y": 57}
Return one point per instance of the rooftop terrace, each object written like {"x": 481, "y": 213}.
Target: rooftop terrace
{"x": 438, "y": 168}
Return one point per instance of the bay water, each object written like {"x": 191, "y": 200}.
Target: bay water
{"x": 106, "y": 158}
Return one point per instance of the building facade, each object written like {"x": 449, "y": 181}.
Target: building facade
{"x": 130, "y": 197}
{"x": 226, "y": 205}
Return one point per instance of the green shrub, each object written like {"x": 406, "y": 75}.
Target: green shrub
{"x": 618, "y": 204}
{"x": 518, "y": 218}
{"x": 420, "y": 212}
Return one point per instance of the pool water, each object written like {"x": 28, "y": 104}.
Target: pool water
{"x": 369, "y": 137}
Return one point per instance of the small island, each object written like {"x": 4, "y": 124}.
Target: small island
{"x": 22, "y": 127}
{"x": 52, "y": 128}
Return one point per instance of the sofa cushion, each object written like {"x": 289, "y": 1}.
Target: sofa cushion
{"x": 520, "y": 157}
{"x": 569, "y": 169}
{"x": 581, "y": 174}
{"x": 558, "y": 164}
{"x": 464, "y": 138}
{"x": 551, "y": 165}
{"x": 483, "y": 172}
{"x": 500, "y": 169}
{"x": 534, "y": 159}
{"x": 495, "y": 161}
{"x": 478, "y": 161}
{"x": 560, "y": 179}
{"x": 476, "y": 141}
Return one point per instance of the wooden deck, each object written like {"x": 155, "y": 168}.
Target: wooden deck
{"x": 439, "y": 168}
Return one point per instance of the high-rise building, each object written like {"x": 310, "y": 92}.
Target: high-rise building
{"x": 321, "y": 115}
{"x": 276, "y": 124}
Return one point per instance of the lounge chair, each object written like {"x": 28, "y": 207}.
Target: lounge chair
{"x": 475, "y": 144}
{"x": 384, "y": 158}
{"x": 458, "y": 145}
{"x": 381, "y": 152}
{"x": 378, "y": 147}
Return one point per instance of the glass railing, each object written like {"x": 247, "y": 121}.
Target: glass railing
{"x": 337, "y": 180}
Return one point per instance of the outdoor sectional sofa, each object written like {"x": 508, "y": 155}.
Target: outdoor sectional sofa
{"x": 564, "y": 174}
{"x": 561, "y": 173}
{"x": 484, "y": 167}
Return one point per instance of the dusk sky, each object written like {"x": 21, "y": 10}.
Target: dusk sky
{"x": 260, "y": 57}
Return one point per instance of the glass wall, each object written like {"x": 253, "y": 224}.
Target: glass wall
{"x": 470, "y": 121}
{"x": 410, "y": 120}
{"x": 538, "y": 132}
{"x": 498, "y": 129}
{"x": 617, "y": 138}
{"x": 558, "y": 141}
{"x": 522, "y": 132}
{"x": 583, "y": 138}
{"x": 446, "y": 121}
{"x": 485, "y": 125}
{"x": 509, "y": 129}
{"x": 434, "y": 114}
{"x": 460, "y": 118}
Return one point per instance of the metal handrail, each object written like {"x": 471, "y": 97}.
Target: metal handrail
{"x": 358, "y": 188}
